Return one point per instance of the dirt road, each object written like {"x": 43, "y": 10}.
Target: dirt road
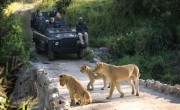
{"x": 148, "y": 100}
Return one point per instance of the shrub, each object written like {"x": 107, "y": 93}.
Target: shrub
{"x": 122, "y": 45}
{"x": 175, "y": 79}
{"x": 12, "y": 43}
{"x": 167, "y": 78}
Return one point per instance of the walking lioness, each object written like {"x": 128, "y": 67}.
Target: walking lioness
{"x": 77, "y": 92}
{"x": 116, "y": 74}
{"x": 92, "y": 76}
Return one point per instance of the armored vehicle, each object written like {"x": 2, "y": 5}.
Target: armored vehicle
{"x": 61, "y": 39}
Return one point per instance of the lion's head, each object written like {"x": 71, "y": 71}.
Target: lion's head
{"x": 83, "y": 68}
{"x": 63, "y": 79}
{"x": 98, "y": 67}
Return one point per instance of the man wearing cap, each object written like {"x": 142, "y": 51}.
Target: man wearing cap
{"x": 82, "y": 30}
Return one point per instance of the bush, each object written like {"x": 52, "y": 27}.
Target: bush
{"x": 157, "y": 71}
{"x": 159, "y": 66}
{"x": 122, "y": 45}
{"x": 167, "y": 78}
{"x": 98, "y": 43}
{"x": 12, "y": 43}
{"x": 46, "y": 5}
{"x": 175, "y": 79}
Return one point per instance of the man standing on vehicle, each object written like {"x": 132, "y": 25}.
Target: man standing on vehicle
{"x": 82, "y": 30}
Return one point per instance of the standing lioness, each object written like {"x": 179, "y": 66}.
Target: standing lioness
{"x": 116, "y": 74}
{"x": 92, "y": 76}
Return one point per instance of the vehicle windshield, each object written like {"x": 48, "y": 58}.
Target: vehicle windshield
{"x": 62, "y": 35}
{"x": 60, "y": 30}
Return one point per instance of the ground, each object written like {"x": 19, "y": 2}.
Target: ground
{"x": 149, "y": 99}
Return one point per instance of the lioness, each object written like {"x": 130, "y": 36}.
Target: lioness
{"x": 77, "y": 91}
{"x": 92, "y": 76}
{"x": 116, "y": 74}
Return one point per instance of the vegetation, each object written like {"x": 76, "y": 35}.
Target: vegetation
{"x": 14, "y": 50}
{"x": 144, "y": 32}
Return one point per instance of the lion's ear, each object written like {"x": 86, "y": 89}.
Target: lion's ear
{"x": 61, "y": 76}
{"x": 82, "y": 66}
{"x": 100, "y": 63}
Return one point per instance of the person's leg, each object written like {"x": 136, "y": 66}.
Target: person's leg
{"x": 86, "y": 37}
{"x": 81, "y": 38}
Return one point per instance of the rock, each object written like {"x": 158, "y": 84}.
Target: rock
{"x": 102, "y": 54}
{"x": 141, "y": 81}
{"x": 177, "y": 86}
{"x": 35, "y": 82}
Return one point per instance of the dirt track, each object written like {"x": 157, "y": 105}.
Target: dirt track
{"x": 148, "y": 100}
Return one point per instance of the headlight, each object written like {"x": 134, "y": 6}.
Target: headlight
{"x": 56, "y": 43}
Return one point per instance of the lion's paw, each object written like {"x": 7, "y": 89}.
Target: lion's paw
{"x": 108, "y": 97}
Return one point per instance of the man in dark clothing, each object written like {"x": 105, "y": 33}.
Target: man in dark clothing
{"x": 40, "y": 20}
{"x": 52, "y": 23}
{"x": 82, "y": 30}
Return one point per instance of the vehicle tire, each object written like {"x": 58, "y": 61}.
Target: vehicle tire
{"x": 37, "y": 49}
{"x": 80, "y": 54}
{"x": 50, "y": 55}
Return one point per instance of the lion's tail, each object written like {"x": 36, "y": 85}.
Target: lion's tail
{"x": 99, "y": 101}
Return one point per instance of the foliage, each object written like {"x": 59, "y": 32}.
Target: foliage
{"x": 3, "y": 98}
{"x": 157, "y": 68}
{"x": 174, "y": 79}
{"x": 4, "y": 87}
{"x": 5, "y": 104}
{"x": 12, "y": 43}
{"x": 62, "y": 4}
{"x": 29, "y": 104}
{"x": 46, "y": 4}
{"x": 4, "y": 3}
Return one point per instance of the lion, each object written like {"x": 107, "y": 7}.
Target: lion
{"x": 76, "y": 90}
{"x": 92, "y": 77}
{"x": 116, "y": 74}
